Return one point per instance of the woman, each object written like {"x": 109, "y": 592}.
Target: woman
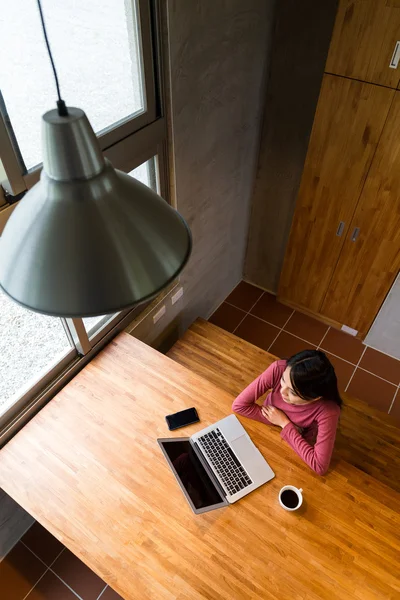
{"x": 304, "y": 401}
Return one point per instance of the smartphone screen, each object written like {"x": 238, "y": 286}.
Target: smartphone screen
{"x": 182, "y": 418}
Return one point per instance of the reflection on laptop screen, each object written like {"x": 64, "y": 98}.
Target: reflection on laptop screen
{"x": 191, "y": 473}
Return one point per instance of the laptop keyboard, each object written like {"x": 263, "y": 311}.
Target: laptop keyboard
{"x": 224, "y": 461}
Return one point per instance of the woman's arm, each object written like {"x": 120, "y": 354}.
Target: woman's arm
{"x": 245, "y": 403}
{"x": 318, "y": 456}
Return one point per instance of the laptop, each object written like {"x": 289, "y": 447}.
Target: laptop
{"x": 216, "y": 466}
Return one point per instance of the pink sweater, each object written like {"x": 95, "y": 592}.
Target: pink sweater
{"x": 318, "y": 419}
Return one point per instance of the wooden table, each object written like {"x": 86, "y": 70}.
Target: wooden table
{"x": 88, "y": 468}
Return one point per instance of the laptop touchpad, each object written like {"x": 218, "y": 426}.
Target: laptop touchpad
{"x": 232, "y": 429}
{"x": 243, "y": 449}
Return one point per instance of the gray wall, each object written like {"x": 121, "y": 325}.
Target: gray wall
{"x": 300, "y": 42}
{"x": 218, "y": 54}
{"x": 384, "y": 334}
{"x": 14, "y": 521}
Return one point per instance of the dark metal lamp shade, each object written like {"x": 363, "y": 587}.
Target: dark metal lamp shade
{"x": 88, "y": 239}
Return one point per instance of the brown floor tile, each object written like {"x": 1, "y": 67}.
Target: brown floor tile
{"x": 286, "y": 345}
{"x": 227, "y": 317}
{"x": 19, "y": 571}
{"x": 395, "y": 411}
{"x": 381, "y": 364}
{"x": 78, "y": 576}
{"x": 51, "y": 588}
{"x": 269, "y": 309}
{"x": 42, "y": 543}
{"x": 372, "y": 390}
{"x": 344, "y": 345}
{"x": 257, "y": 332}
{"x": 306, "y": 328}
{"x": 244, "y": 296}
{"x": 109, "y": 594}
{"x": 343, "y": 370}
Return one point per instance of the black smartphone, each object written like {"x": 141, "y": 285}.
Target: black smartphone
{"x": 182, "y": 418}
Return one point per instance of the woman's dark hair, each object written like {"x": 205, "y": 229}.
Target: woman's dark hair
{"x": 312, "y": 375}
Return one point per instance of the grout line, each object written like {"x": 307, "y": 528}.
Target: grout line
{"x": 66, "y": 584}
{"x": 288, "y": 319}
{"x": 101, "y": 593}
{"x": 40, "y": 578}
{"x": 280, "y": 331}
{"x": 230, "y": 304}
{"x": 355, "y": 369}
{"x": 274, "y": 340}
{"x": 248, "y": 312}
{"x": 361, "y": 368}
{"x": 394, "y": 398}
{"x": 51, "y": 571}
{"x": 324, "y": 336}
{"x": 57, "y": 557}
{"x": 378, "y": 376}
{"x": 267, "y": 322}
{"x": 299, "y": 338}
{"x": 341, "y": 358}
{"x": 382, "y": 352}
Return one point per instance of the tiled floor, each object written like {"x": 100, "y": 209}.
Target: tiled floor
{"x": 39, "y": 567}
{"x": 257, "y": 317}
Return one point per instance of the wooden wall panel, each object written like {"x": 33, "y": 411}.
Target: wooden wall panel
{"x": 363, "y": 41}
{"x": 349, "y": 120}
{"x": 369, "y": 265}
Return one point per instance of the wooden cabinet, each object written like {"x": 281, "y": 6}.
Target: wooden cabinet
{"x": 364, "y": 39}
{"x": 368, "y": 265}
{"x": 349, "y": 119}
{"x": 343, "y": 252}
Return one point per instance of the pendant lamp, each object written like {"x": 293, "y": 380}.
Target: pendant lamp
{"x": 87, "y": 239}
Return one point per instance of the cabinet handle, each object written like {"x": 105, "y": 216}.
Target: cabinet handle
{"x": 340, "y": 228}
{"x": 395, "y": 57}
{"x": 355, "y": 233}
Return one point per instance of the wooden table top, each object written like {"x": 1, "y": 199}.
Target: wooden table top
{"x": 89, "y": 469}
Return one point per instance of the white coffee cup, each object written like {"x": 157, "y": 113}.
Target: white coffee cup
{"x": 297, "y": 491}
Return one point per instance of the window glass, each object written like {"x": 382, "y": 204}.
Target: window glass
{"x": 95, "y": 44}
{"x": 3, "y": 175}
{"x": 145, "y": 173}
{"x": 30, "y": 345}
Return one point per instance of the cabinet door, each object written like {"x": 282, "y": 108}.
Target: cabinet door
{"x": 363, "y": 41}
{"x": 368, "y": 265}
{"x": 349, "y": 119}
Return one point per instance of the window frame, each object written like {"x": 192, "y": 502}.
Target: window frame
{"x": 127, "y": 146}
{"x": 20, "y": 180}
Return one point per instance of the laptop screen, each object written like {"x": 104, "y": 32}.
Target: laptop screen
{"x": 191, "y": 473}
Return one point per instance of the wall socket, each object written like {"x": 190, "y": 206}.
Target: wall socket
{"x": 349, "y": 330}
{"x": 159, "y": 314}
{"x": 177, "y": 295}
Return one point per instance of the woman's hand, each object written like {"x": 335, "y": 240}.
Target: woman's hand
{"x": 275, "y": 416}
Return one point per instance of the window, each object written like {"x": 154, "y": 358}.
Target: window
{"x": 145, "y": 173}
{"x": 106, "y": 54}
{"x": 30, "y": 346}
{"x": 96, "y": 47}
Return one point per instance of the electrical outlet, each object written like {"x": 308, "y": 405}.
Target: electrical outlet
{"x": 159, "y": 314}
{"x": 349, "y": 330}
{"x": 177, "y": 295}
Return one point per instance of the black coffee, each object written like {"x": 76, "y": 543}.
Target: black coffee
{"x": 290, "y": 498}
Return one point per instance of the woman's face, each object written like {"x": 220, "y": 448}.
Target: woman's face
{"x": 287, "y": 392}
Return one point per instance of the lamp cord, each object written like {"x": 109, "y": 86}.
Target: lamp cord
{"x": 61, "y": 107}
